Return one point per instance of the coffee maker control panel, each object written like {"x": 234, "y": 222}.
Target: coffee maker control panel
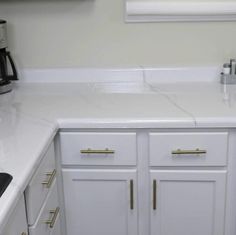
{"x": 3, "y": 39}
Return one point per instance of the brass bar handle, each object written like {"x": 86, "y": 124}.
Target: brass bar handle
{"x": 52, "y": 175}
{"x": 131, "y": 194}
{"x": 97, "y": 151}
{"x": 54, "y": 217}
{"x": 154, "y": 199}
{"x": 195, "y": 151}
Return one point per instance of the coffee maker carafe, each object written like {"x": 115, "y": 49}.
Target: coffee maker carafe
{"x": 6, "y": 61}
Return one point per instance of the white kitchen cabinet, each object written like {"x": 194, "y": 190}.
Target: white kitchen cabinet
{"x": 17, "y": 224}
{"x": 42, "y": 203}
{"x": 100, "y": 201}
{"x": 40, "y": 185}
{"x": 178, "y": 180}
{"x": 187, "y": 202}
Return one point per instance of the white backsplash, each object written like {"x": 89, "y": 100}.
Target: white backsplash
{"x": 139, "y": 74}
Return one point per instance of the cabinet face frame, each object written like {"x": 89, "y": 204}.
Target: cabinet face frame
{"x": 162, "y": 11}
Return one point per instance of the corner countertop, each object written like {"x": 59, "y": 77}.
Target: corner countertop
{"x": 32, "y": 113}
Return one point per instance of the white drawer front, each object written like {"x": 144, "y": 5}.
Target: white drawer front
{"x": 50, "y": 213}
{"x": 37, "y": 189}
{"x": 188, "y": 149}
{"x": 96, "y": 148}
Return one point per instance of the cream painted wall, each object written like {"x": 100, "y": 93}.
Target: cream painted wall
{"x": 88, "y": 33}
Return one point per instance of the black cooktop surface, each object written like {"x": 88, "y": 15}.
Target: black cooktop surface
{"x": 5, "y": 180}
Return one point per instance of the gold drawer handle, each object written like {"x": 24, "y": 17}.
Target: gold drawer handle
{"x": 196, "y": 151}
{"x": 131, "y": 194}
{"x": 154, "y": 195}
{"x": 54, "y": 217}
{"x": 51, "y": 178}
{"x": 97, "y": 151}
{"x": 24, "y": 233}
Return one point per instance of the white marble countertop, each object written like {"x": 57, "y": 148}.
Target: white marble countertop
{"x": 31, "y": 115}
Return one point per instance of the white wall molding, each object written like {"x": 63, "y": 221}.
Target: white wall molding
{"x": 151, "y": 11}
{"x": 139, "y": 74}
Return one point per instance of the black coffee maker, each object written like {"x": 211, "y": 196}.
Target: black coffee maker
{"x": 6, "y": 61}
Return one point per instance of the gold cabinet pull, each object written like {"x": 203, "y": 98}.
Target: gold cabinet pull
{"x": 97, "y": 151}
{"x": 51, "y": 175}
{"x": 131, "y": 194}
{"x": 195, "y": 151}
{"x": 24, "y": 233}
{"x": 54, "y": 217}
{"x": 154, "y": 199}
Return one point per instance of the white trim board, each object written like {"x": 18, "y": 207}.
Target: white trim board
{"x": 151, "y": 11}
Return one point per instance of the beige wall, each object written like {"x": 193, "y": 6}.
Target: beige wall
{"x": 88, "y": 33}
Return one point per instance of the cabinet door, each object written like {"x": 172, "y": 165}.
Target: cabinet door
{"x": 17, "y": 224}
{"x": 187, "y": 202}
{"x": 100, "y": 202}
